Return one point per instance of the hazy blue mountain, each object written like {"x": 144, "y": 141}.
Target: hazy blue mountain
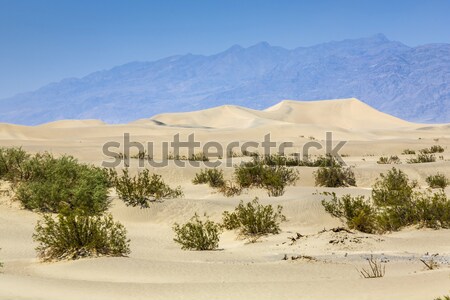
{"x": 412, "y": 83}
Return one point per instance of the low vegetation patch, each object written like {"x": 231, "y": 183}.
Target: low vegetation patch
{"x": 409, "y": 151}
{"x": 422, "y": 157}
{"x": 143, "y": 188}
{"x": 198, "y": 234}
{"x": 335, "y": 176}
{"x": 76, "y": 236}
{"x": 254, "y": 220}
{"x": 272, "y": 178}
{"x": 394, "y": 204}
{"x": 393, "y": 159}
{"x": 212, "y": 177}
{"x": 437, "y": 181}
{"x": 376, "y": 269}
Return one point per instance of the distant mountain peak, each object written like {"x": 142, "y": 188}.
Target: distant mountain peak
{"x": 412, "y": 83}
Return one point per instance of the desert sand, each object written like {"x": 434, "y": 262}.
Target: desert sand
{"x": 158, "y": 269}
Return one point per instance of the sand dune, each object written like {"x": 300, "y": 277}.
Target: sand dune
{"x": 158, "y": 269}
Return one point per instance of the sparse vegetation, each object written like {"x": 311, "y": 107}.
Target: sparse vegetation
{"x": 257, "y": 174}
{"x": 335, "y": 176}
{"x": 193, "y": 157}
{"x": 408, "y": 151}
{"x": 254, "y": 220}
{"x": 376, "y": 269}
{"x": 197, "y": 234}
{"x": 437, "y": 181}
{"x": 213, "y": 177}
{"x": 394, "y": 204}
{"x": 393, "y": 159}
{"x": 75, "y": 236}
{"x": 433, "y": 149}
{"x": 230, "y": 189}
{"x": 143, "y": 188}
{"x": 422, "y": 157}
{"x": 357, "y": 212}
{"x": 443, "y": 298}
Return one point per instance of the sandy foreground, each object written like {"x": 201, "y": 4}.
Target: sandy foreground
{"x": 158, "y": 269}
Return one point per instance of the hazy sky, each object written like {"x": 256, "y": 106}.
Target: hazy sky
{"x": 47, "y": 40}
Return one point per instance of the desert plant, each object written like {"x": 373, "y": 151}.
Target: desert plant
{"x": 409, "y": 151}
{"x": 376, "y": 269}
{"x": 437, "y": 181}
{"x": 213, "y": 177}
{"x": 12, "y": 164}
{"x": 430, "y": 264}
{"x": 443, "y": 298}
{"x": 422, "y": 157}
{"x": 143, "y": 188}
{"x": 433, "y": 149}
{"x": 335, "y": 176}
{"x": 393, "y": 188}
{"x": 230, "y": 189}
{"x": 433, "y": 210}
{"x": 75, "y": 236}
{"x": 357, "y": 212}
{"x": 393, "y": 159}
{"x": 273, "y": 178}
{"x": 254, "y": 220}
{"x": 63, "y": 185}
{"x": 197, "y": 234}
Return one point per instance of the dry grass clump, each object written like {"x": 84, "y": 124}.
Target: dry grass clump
{"x": 212, "y": 177}
{"x": 376, "y": 269}
{"x": 437, "y": 181}
{"x": 393, "y": 159}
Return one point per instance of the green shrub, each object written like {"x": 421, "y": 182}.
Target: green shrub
{"x": 273, "y": 178}
{"x": 143, "y": 188}
{"x": 335, "y": 176}
{"x": 213, "y": 177}
{"x": 393, "y": 159}
{"x": 197, "y": 234}
{"x": 443, "y": 298}
{"x": 63, "y": 185}
{"x": 433, "y": 210}
{"x": 422, "y": 157}
{"x": 12, "y": 164}
{"x": 356, "y": 211}
{"x": 437, "y": 181}
{"x": 254, "y": 219}
{"x": 76, "y": 236}
{"x": 394, "y": 188}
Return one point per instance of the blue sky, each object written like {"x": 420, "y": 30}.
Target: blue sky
{"x": 47, "y": 40}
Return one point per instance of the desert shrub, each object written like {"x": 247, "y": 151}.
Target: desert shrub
{"x": 393, "y": 159}
{"x": 63, "y": 185}
{"x": 357, "y": 212}
{"x": 437, "y": 181}
{"x": 12, "y": 164}
{"x": 422, "y": 157}
{"x": 335, "y": 176}
{"x": 443, "y": 298}
{"x": 230, "y": 189}
{"x": 75, "y": 236}
{"x": 143, "y": 188}
{"x": 254, "y": 219}
{"x": 433, "y": 210}
{"x": 197, "y": 234}
{"x": 409, "y": 151}
{"x": 433, "y": 149}
{"x": 273, "y": 178}
{"x": 394, "y": 188}
{"x": 213, "y": 177}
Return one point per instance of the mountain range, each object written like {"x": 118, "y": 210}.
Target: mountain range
{"x": 412, "y": 83}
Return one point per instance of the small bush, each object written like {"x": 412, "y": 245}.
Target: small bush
{"x": 394, "y": 188}
{"x": 422, "y": 157}
{"x": 335, "y": 176}
{"x": 393, "y": 159}
{"x": 230, "y": 189}
{"x": 254, "y": 219}
{"x": 433, "y": 210}
{"x": 197, "y": 234}
{"x": 143, "y": 188}
{"x": 409, "y": 151}
{"x": 433, "y": 149}
{"x": 356, "y": 211}
{"x": 12, "y": 164}
{"x": 273, "y": 178}
{"x": 63, "y": 185}
{"x": 437, "y": 181}
{"x": 213, "y": 177}
{"x": 443, "y": 298}
{"x": 76, "y": 236}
